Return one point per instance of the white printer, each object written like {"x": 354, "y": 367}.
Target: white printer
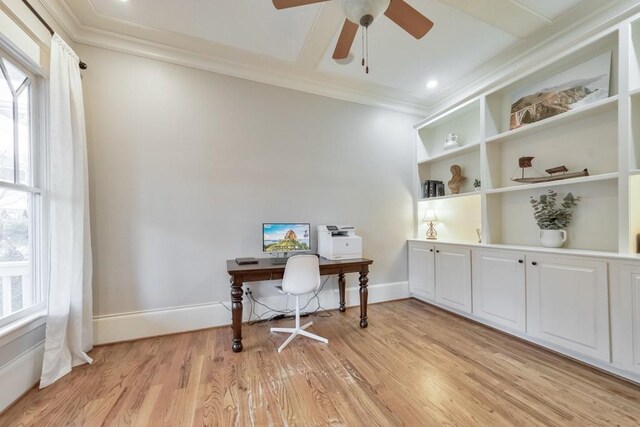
{"x": 337, "y": 242}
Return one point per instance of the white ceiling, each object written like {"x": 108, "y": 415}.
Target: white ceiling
{"x": 299, "y": 42}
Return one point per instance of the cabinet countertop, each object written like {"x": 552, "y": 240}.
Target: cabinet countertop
{"x": 536, "y": 249}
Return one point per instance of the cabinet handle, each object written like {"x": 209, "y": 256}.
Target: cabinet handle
{"x": 430, "y": 250}
{"x": 437, "y": 252}
{"x": 521, "y": 261}
{"x": 534, "y": 263}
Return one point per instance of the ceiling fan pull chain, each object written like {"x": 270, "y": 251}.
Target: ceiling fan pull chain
{"x": 363, "y": 46}
{"x": 367, "y": 49}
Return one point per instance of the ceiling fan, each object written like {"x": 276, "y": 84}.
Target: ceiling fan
{"x": 363, "y": 13}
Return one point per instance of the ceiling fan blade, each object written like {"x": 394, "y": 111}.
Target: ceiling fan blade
{"x": 285, "y": 4}
{"x": 347, "y": 35}
{"x": 409, "y": 19}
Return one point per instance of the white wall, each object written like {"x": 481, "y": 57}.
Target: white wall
{"x": 185, "y": 165}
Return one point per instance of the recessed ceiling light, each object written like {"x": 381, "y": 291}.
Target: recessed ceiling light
{"x": 431, "y": 84}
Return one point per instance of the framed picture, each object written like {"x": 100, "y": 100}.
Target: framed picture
{"x": 581, "y": 85}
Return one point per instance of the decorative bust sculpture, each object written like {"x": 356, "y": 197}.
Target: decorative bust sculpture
{"x": 456, "y": 179}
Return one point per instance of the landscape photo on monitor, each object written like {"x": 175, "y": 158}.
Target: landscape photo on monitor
{"x": 286, "y": 237}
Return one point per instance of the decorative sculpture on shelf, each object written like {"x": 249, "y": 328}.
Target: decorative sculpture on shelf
{"x": 456, "y": 179}
{"x": 555, "y": 174}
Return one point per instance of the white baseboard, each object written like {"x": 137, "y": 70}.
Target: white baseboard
{"x": 143, "y": 324}
{"x": 20, "y": 375}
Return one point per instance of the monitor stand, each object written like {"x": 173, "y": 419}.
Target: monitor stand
{"x": 280, "y": 260}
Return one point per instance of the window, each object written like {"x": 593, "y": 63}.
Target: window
{"x": 20, "y": 194}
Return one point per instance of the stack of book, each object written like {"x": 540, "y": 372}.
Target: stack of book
{"x": 432, "y": 188}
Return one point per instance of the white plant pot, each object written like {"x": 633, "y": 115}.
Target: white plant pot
{"x": 553, "y": 238}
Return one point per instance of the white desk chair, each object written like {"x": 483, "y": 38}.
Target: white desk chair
{"x": 301, "y": 276}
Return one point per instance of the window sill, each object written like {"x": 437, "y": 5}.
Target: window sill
{"x": 21, "y": 326}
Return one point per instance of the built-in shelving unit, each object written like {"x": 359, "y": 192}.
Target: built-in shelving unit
{"x": 591, "y": 136}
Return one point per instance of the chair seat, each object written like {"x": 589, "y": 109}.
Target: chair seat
{"x": 301, "y": 276}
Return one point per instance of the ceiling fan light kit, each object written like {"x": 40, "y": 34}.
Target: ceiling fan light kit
{"x": 364, "y": 13}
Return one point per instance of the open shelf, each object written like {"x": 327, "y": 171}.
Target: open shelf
{"x": 452, "y": 153}
{"x": 634, "y": 142}
{"x": 463, "y": 121}
{"x": 594, "y": 225}
{"x": 598, "y": 107}
{"x": 450, "y": 196}
{"x": 634, "y": 58}
{"x": 458, "y": 215}
{"x": 570, "y": 181}
{"x": 439, "y": 169}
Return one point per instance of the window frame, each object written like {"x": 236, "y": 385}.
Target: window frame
{"x": 36, "y": 190}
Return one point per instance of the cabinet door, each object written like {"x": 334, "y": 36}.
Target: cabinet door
{"x": 499, "y": 288}
{"x": 453, "y": 277}
{"x": 625, "y": 316}
{"x": 421, "y": 274}
{"x": 568, "y": 303}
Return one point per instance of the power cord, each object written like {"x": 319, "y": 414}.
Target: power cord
{"x": 280, "y": 314}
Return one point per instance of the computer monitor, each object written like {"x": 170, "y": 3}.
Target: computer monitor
{"x": 278, "y": 238}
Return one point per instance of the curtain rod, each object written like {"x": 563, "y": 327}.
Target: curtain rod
{"x": 82, "y": 65}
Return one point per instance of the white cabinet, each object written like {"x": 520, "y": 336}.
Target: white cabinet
{"x": 421, "y": 269}
{"x": 453, "y": 277}
{"x": 625, "y": 317}
{"x": 568, "y": 303}
{"x": 499, "y": 293}
{"x": 441, "y": 273}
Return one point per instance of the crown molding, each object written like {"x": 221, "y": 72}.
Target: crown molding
{"x": 90, "y": 28}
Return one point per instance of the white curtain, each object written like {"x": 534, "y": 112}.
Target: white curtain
{"x": 69, "y": 332}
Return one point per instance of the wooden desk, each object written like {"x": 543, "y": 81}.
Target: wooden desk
{"x": 265, "y": 270}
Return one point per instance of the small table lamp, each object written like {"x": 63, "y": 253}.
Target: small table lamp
{"x": 431, "y": 217}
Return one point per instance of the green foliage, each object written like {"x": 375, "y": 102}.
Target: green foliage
{"x": 549, "y": 215}
{"x": 476, "y": 183}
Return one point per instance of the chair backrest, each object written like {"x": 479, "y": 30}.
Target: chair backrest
{"x": 301, "y": 275}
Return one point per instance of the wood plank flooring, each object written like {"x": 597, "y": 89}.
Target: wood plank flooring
{"x": 414, "y": 365}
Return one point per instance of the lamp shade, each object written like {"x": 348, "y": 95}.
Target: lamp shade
{"x": 430, "y": 216}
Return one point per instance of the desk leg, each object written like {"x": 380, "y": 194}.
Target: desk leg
{"x": 364, "y": 294}
{"x": 236, "y": 315}
{"x": 341, "y": 286}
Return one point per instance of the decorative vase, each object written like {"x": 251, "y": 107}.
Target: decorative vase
{"x": 451, "y": 142}
{"x": 553, "y": 238}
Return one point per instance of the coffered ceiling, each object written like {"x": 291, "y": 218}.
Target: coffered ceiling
{"x": 293, "y": 47}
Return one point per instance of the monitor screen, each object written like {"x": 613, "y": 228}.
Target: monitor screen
{"x": 281, "y": 237}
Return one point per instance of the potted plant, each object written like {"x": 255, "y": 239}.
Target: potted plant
{"x": 476, "y": 184}
{"x": 553, "y": 219}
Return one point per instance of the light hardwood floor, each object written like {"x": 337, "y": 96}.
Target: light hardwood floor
{"x": 414, "y": 365}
